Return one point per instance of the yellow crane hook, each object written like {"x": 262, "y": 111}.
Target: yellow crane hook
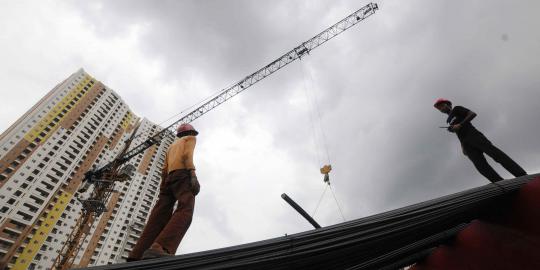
{"x": 326, "y": 170}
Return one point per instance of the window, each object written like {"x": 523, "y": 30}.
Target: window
{"x": 52, "y": 178}
{"x": 24, "y": 216}
{"x": 32, "y": 209}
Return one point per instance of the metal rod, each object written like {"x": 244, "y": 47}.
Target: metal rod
{"x": 300, "y": 211}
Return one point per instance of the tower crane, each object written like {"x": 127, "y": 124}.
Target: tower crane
{"x": 105, "y": 177}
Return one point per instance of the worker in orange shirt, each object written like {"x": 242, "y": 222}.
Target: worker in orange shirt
{"x": 165, "y": 228}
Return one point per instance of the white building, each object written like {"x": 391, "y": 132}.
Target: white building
{"x": 79, "y": 125}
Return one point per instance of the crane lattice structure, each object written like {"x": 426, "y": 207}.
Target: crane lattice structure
{"x": 105, "y": 177}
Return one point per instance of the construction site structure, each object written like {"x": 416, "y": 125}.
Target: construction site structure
{"x": 494, "y": 226}
{"x": 79, "y": 125}
{"x": 106, "y": 176}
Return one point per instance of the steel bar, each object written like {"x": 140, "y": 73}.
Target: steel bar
{"x": 300, "y": 210}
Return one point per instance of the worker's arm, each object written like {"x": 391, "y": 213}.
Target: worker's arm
{"x": 187, "y": 155}
{"x": 187, "y": 159}
{"x": 468, "y": 117}
{"x": 165, "y": 169}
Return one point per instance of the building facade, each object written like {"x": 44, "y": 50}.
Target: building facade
{"x": 81, "y": 124}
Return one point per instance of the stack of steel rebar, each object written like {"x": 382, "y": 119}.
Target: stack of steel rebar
{"x": 384, "y": 241}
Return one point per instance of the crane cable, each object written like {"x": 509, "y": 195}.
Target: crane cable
{"x": 320, "y": 200}
{"x": 337, "y": 203}
{"x": 313, "y": 107}
{"x": 310, "y": 106}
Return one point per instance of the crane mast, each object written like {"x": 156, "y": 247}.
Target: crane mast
{"x": 104, "y": 177}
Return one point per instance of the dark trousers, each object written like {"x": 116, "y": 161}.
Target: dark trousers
{"x": 164, "y": 226}
{"x": 475, "y": 146}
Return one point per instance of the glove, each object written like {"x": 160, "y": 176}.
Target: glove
{"x": 195, "y": 186}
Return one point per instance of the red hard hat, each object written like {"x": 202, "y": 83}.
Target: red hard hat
{"x": 185, "y": 128}
{"x": 442, "y": 100}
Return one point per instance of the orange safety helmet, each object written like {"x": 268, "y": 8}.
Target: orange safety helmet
{"x": 442, "y": 100}
{"x": 185, "y": 130}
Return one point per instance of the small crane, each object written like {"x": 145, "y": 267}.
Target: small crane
{"x": 104, "y": 178}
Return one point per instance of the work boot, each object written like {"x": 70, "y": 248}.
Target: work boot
{"x": 154, "y": 252}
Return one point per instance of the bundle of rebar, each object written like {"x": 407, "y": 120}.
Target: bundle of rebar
{"x": 388, "y": 240}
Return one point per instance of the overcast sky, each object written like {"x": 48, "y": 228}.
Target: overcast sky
{"x": 374, "y": 85}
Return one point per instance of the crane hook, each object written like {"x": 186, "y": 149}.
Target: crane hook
{"x": 326, "y": 170}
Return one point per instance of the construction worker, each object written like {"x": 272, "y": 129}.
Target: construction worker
{"x": 474, "y": 143}
{"x": 165, "y": 228}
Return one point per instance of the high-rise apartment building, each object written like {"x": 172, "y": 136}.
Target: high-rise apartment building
{"x": 79, "y": 125}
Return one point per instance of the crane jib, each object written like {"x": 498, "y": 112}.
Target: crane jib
{"x": 260, "y": 74}
{"x": 103, "y": 189}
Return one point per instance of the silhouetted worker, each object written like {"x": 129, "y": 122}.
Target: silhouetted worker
{"x": 165, "y": 228}
{"x": 474, "y": 143}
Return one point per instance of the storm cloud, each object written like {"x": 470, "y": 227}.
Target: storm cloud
{"x": 374, "y": 85}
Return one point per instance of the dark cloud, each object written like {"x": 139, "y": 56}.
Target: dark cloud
{"x": 375, "y": 86}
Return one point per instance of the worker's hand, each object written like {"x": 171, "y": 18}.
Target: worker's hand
{"x": 195, "y": 186}
{"x": 455, "y": 128}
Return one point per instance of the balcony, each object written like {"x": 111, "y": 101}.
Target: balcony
{"x": 6, "y": 239}
{"x": 4, "y": 248}
{"x": 137, "y": 229}
{"x": 130, "y": 241}
{"x": 13, "y": 230}
{"x": 138, "y": 222}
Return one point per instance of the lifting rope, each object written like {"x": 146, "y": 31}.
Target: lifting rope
{"x": 337, "y": 203}
{"x": 313, "y": 109}
{"x": 313, "y": 106}
{"x": 320, "y": 200}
